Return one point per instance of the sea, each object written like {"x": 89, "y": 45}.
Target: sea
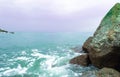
{"x": 41, "y": 54}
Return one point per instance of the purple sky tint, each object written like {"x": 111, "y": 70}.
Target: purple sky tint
{"x": 53, "y": 15}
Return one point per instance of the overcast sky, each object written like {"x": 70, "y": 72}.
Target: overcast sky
{"x": 53, "y": 15}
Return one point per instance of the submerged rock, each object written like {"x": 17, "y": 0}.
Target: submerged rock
{"x": 12, "y": 32}
{"x": 105, "y": 72}
{"x": 89, "y": 74}
{"x": 81, "y": 60}
{"x": 104, "y": 47}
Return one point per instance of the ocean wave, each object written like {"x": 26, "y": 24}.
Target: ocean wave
{"x": 15, "y": 71}
{"x": 35, "y": 63}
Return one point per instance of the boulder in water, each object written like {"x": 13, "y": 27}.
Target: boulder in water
{"x": 81, "y": 60}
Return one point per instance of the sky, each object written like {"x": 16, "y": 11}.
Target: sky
{"x": 53, "y": 15}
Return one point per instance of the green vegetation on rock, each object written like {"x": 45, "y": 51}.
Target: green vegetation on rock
{"x": 109, "y": 28}
{"x": 103, "y": 47}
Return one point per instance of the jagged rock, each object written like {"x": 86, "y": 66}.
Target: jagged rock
{"x": 81, "y": 60}
{"x": 104, "y": 47}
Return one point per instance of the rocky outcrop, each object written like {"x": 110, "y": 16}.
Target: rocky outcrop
{"x": 1, "y": 30}
{"x": 81, "y": 60}
{"x": 104, "y": 46}
{"x": 4, "y": 31}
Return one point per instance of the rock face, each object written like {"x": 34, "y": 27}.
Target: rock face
{"x": 86, "y": 46}
{"x": 104, "y": 47}
{"x": 81, "y": 60}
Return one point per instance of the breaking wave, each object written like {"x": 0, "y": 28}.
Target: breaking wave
{"x": 35, "y": 63}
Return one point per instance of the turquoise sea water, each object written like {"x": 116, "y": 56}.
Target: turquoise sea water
{"x": 40, "y": 54}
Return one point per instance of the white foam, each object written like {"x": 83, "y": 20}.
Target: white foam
{"x": 50, "y": 62}
{"x": 58, "y": 71}
{"x": 15, "y": 71}
{"x": 35, "y": 50}
{"x": 2, "y": 69}
{"x": 22, "y": 58}
{"x": 23, "y": 53}
{"x": 39, "y": 55}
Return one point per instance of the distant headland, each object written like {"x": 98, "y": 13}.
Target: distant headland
{"x": 4, "y": 31}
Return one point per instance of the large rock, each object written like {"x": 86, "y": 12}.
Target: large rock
{"x": 104, "y": 47}
{"x": 81, "y": 60}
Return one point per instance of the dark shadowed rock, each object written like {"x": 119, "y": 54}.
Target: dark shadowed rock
{"x": 81, "y": 60}
{"x": 104, "y": 47}
{"x": 86, "y": 47}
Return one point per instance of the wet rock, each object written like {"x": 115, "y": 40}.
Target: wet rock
{"x": 107, "y": 72}
{"x": 81, "y": 60}
{"x": 104, "y": 47}
{"x": 89, "y": 74}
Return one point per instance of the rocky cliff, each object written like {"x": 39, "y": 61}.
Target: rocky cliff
{"x": 103, "y": 48}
